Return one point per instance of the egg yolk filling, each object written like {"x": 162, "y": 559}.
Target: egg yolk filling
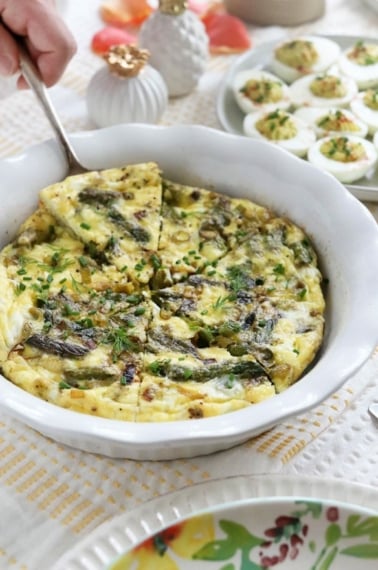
{"x": 343, "y": 150}
{"x": 337, "y": 121}
{"x": 371, "y": 99}
{"x": 328, "y": 86}
{"x": 299, "y": 54}
{"x": 262, "y": 91}
{"x": 364, "y": 54}
{"x": 277, "y": 126}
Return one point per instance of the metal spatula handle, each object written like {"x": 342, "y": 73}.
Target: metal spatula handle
{"x": 33, "y": 77}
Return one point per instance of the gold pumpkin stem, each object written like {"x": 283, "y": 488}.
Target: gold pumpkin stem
{"x": 173, "y": 7}
{"x": 126, "y": 60}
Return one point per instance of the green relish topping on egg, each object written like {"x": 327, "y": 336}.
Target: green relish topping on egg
{"x": 328, "y": 86}
{"x": 277, "y": 126}
{"x": 337, "y": 121}
{"x": 371, "y": 99}
{"x": 364, "y": 54}
{"x": 299, "y": 54}
{"x": 343, "y": 150}
{"x": 262, "y": 90}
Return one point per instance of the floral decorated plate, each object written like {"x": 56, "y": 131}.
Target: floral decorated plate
{"x": 286, "y": 534}
{"x": 240, "y": 523}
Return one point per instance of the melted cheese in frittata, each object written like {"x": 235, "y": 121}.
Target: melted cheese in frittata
{"x": 132, "y": 297}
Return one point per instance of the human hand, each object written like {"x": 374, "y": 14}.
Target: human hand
{"x": 49, "y": 41}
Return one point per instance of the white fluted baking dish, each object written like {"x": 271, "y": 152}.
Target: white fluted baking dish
{"x": 343, "y": 231}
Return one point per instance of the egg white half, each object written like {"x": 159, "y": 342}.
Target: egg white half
{"x": 298, "y": 145}
{"x": 301, "y": 94}
{"x": 344, "y": 172}
{"x": 364, "y": 75}
{"x": 328, "y": 52}
{"x": 246, "y": 104}
{"x": 312, "y": 115}
{"x": 365, "y": 113}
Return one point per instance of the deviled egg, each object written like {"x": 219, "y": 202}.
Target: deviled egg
{"x": 258, "y": 90}
{"x": 332, "y": 121}
{"x": 308, "y": 54}
{"x": 281, "y": 128}
{"x": 348, "y": 158}
{"x": 324, "y": 90}
{"x": 365, "y": 107}
{"x": 360, "y": 62}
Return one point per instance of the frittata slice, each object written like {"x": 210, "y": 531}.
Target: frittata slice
{"x": 180, "y": 386}
{"x": 115, "y": 213}
{"x": 89, "y": 384}
{"x": 69, "y": 333}
{"x": 278, "y": 326}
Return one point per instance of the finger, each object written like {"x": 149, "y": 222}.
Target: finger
{"x": 50, "y": 42}
{"x": 9, "y": 60}
{"x": 52, "y": 49}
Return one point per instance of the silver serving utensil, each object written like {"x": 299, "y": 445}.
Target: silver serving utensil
{"x": 34, "y": 79}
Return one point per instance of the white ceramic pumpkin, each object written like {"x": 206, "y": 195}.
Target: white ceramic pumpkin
{"x": 126, "y": 90}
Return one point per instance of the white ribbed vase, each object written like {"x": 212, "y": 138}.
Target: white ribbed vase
{"x": 112, "y": 99}
{"x": 179, "y": 49}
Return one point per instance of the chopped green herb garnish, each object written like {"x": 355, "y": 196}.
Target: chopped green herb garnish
{"x": 222, "y": 301}
{"x": 120, "y": 341}
{"x": 86, "y": 323}
{"x": 230, "y": 381}
{"x": 83, "y": 261}
{"x": 139, "y": 311}
{"x": 188, "y": 373}
{"x": 302, "y": 293}
{"x": 76, "y": 285}
{"x": 279, "y": 269}
{"x": 238, "y": 277}
{"x": 158, "y": 367}
{"x": 20, "y": 288}
{"x": 155, "y": 261}
{"x": 68, "y": 311}
{"x": 133, "y": 299}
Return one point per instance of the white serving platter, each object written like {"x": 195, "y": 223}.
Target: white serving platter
{"x": 231, "y": 116}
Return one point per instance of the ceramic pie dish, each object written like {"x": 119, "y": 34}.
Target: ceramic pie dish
{"x": 344, "y": 233}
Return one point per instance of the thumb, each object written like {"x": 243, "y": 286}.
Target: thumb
{"x": 9, "y": 57}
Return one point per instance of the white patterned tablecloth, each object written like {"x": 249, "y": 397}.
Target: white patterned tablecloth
{"x": 52, "y": 496}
